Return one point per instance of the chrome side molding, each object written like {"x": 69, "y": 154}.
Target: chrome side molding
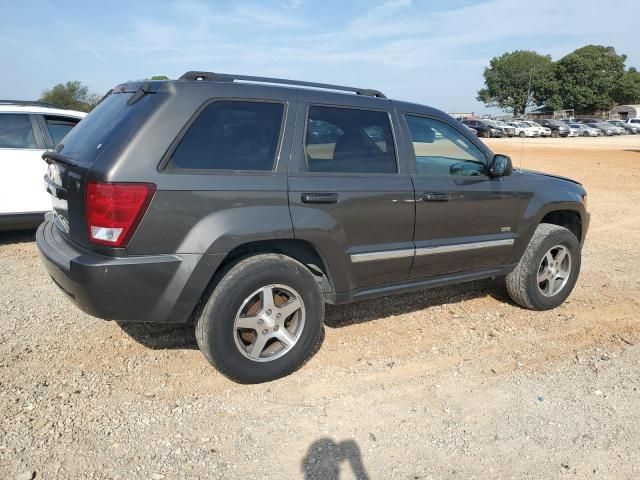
{"x": 409, "y": 252}
{"x": 461, "y": 247}
{"x": 383, "y": 255}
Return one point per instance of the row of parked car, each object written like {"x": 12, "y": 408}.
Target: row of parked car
{"x": 590, "y": 127}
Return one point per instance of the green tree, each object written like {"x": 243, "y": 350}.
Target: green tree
{"x": 73, "y": 95}
{"x": 517, "y": 80}
{"x": 628, "y": 88}
{"x": 159, "y": 77}
{"x": 589, "y": 78}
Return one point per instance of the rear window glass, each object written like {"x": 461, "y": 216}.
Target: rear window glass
{"x": 232, "y": 135}
{"x": 86, "y": 141}
{"x": 16, "y": 131}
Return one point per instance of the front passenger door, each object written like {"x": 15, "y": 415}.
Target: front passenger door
{"x": 465, "y": 220}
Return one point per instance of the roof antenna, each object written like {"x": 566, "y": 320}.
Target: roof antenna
{"x": 525, "y": 113}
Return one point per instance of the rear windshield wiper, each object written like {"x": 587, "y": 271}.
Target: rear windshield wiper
{"x": 142, "y": 90}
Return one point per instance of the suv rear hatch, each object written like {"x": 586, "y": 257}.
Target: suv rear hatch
{"x": 124, "y": 109}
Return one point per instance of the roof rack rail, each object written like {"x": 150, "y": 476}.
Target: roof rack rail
{"x": 227, "y": 77}
{"x": 30, "y": 103}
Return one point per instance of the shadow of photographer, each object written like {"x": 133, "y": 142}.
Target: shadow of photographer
{"x": 326, "y": 459}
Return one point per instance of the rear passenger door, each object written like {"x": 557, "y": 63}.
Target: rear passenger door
{"x": 21, "y": 147}
{"x": 349, "y": 195}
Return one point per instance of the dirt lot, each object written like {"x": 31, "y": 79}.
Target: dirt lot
{"x": 442, "y": 384}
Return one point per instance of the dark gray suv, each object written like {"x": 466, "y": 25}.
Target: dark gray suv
{"x": 244, "y": 204}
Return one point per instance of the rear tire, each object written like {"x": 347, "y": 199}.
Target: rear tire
{"x": 554, "y": 134}
{"x": 288, "y": 329}
{"x": 521, "y": 135}
{"x": 486, "y": 134}
{"x": 585, "y": 134}
{"x": 530, "y": 284}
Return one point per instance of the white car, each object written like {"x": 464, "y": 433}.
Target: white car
{"x": 634, "y": 121}
{"x": 26, "y": 130}
{"x": 543, "y": 131}
{"x": 524, "y": 130}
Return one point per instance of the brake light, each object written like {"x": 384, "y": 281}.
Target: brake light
{"x": 114, "y": 210}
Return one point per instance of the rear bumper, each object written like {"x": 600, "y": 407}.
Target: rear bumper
{"x": 151, "y": 288}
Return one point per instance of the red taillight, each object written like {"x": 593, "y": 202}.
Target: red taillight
{"x": 115, "y": 209}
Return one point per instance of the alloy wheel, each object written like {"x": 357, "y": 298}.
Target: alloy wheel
{"x": 554, "y": 270}
{"x": 269, "y": 323}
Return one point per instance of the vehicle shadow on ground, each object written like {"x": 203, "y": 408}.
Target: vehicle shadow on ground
{"x": 326, "y": 459}
{"x": 160, "y": 336}
{"x": 157, "y": 336}
{"x": 631, "y": 150}
{"x": 19, "y": 236}
{"x": 338, "y": 316}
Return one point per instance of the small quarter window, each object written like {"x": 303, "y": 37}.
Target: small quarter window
{"x": 16, "y": 131}
{"x": 232, "y": 135}
{"x": 59, "y": 127}
{"x": 347, "y": 140}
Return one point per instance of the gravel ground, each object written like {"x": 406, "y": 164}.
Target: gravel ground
{"x": 442, "y": 384}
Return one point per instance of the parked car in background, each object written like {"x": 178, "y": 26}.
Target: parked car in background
{"x": 483, "y": 130}
{"x": 27, "y": 129}
{"x": 606, "y": 128}
{"x": 585, "y": 130}
{"x": 524, "y": 130}
{"x": 472, "y": 130}
{"x": 573, "y": 132}
{"x": 509, "y": 130}
{"x": 543, "y": 131}
{"x": 207, "y": 200}
{"x": 558, "y": 129}
{"x": 629, "y": 128}
{"x": 633, "y": 121}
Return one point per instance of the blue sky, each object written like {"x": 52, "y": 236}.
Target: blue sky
{"x": 431, "y": 52}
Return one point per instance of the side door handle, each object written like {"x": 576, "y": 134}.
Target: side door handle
{"x": 436, "y": 197}
{"x": 319, "y": 198}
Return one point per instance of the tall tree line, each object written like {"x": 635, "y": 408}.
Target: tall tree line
{"x": 590, "y": 79}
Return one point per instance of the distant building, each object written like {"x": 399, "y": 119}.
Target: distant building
{"x": 625, "y": 111}
{"x": 462, "y": 115}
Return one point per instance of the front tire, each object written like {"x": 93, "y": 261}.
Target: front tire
{"x": 548, "y": 270}
{"x": 263, "y": 320}
{"x": 554, "y": 134}
{"x": 521, "y": 134}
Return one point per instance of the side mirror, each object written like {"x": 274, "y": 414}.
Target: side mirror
{"x": 501, "y": 166}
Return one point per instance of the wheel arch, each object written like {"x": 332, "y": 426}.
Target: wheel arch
{"x": 568, "y": 214}
{"x": 569, "y": 219}
{"x": 300, "y": 250}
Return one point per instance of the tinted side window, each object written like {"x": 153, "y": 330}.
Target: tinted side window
{"x": 16, "y": 131}
{"x": 232, "y": 135}
{"x": 59, "y": 127}
{"x": 441, "y": 150}
{"x": 347, "y": 140}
